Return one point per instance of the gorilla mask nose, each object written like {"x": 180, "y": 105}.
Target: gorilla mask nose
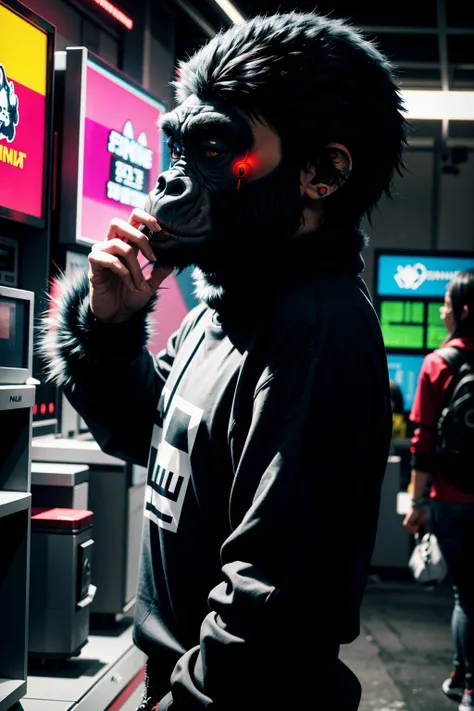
{"x": 172, "y": 186}
{"x": 178, "y": 204}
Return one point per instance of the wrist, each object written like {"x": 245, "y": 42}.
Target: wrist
{"x": 421, "y": 503}
{"x": 122, "y": 318}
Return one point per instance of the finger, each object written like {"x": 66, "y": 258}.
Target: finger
{"x": 140, "y": 217}
{"x": 100, "y": 261}
{"x": 157, "y": 276}
{"x": 126, "y": 232}
{"x": 127, "y": 255}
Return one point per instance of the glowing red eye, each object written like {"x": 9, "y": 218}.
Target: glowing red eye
{"x": 241, "y": 169}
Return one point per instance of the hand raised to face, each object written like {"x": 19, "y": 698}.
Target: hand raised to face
{"x": 118, "y": 287}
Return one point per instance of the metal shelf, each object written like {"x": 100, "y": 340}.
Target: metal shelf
{"x": 13, "y": 501}
{"x": 16, "y": 402}
{"x": 13, "y": 397}
{"x": 72, "y": 451}
{"x": 11, "y": 691}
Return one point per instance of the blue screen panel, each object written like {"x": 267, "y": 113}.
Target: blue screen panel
{"x": 186, "y": 286}
{"x": 418, "y": 276}
{"x": 405, "y": 370}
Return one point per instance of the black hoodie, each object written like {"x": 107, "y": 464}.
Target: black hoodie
{"x": 270, "y": 423}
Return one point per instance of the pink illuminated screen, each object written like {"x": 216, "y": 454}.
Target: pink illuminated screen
{"x": 5, "y": 320}
{"x": 23, "y": 96}
{"x": 122, "y": 150}
{"x": 122, "y": 160}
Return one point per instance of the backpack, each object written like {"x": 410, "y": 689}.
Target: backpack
{"x": 455, "y": 430}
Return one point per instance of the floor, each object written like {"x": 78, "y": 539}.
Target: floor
{"x": 404, "y": 651}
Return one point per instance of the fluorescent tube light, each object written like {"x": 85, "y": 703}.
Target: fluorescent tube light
{"x": 439, "y": 105}
{"x": 231, "y": 12}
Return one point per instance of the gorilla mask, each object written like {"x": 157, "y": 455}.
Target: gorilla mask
{"x": 227, "y": 193}
{"x": 258, "y": 108}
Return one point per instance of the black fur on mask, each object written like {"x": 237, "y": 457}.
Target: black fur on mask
{"x": 316, "y": 81}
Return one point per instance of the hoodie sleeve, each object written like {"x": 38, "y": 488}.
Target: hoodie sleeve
{"x": 250, "y": 654}
{"x": 106, "y": 371}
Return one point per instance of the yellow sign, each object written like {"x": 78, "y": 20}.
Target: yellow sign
{"x": 23, "y": 51}
{"x": 11, "y": 156}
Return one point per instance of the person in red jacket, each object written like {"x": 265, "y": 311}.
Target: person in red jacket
{"x": 451, "y": 510}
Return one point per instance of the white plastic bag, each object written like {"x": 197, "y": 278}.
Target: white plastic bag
{"x": 426, "y": 562}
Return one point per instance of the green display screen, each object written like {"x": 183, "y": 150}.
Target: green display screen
{"x": 435, "y": 329}
{"x": 412, "y": 324}
{"x": 402, "y": 324}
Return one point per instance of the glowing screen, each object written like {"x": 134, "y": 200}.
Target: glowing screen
{"x": 405, "y": 370}
{"x": 23, "y": 75}
{"x": 122, "y": 150}
{"x": 412, "y": 324}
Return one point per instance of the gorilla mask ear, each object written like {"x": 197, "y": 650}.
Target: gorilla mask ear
{"x": 332, "y": 171}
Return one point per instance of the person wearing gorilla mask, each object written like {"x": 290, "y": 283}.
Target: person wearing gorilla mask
{"x": 266, "y": 422}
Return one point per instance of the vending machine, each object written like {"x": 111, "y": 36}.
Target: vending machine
{"x": 26, "y": 70}
{"x": 26, "y": 105}
{"x": 409, "y": 291}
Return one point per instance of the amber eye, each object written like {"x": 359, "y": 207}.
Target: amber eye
{"x": 213, "y": 149}
{"x": 175, "y": 150}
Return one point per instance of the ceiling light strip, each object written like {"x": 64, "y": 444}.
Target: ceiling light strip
{"x": 231, "y": 11}
{"x": 439, "y": 105}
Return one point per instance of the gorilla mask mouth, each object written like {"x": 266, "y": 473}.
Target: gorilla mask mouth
{"x": 179, "y": 251}
{"x": 162, "y": 237}
{"x": 167, "y": 237}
